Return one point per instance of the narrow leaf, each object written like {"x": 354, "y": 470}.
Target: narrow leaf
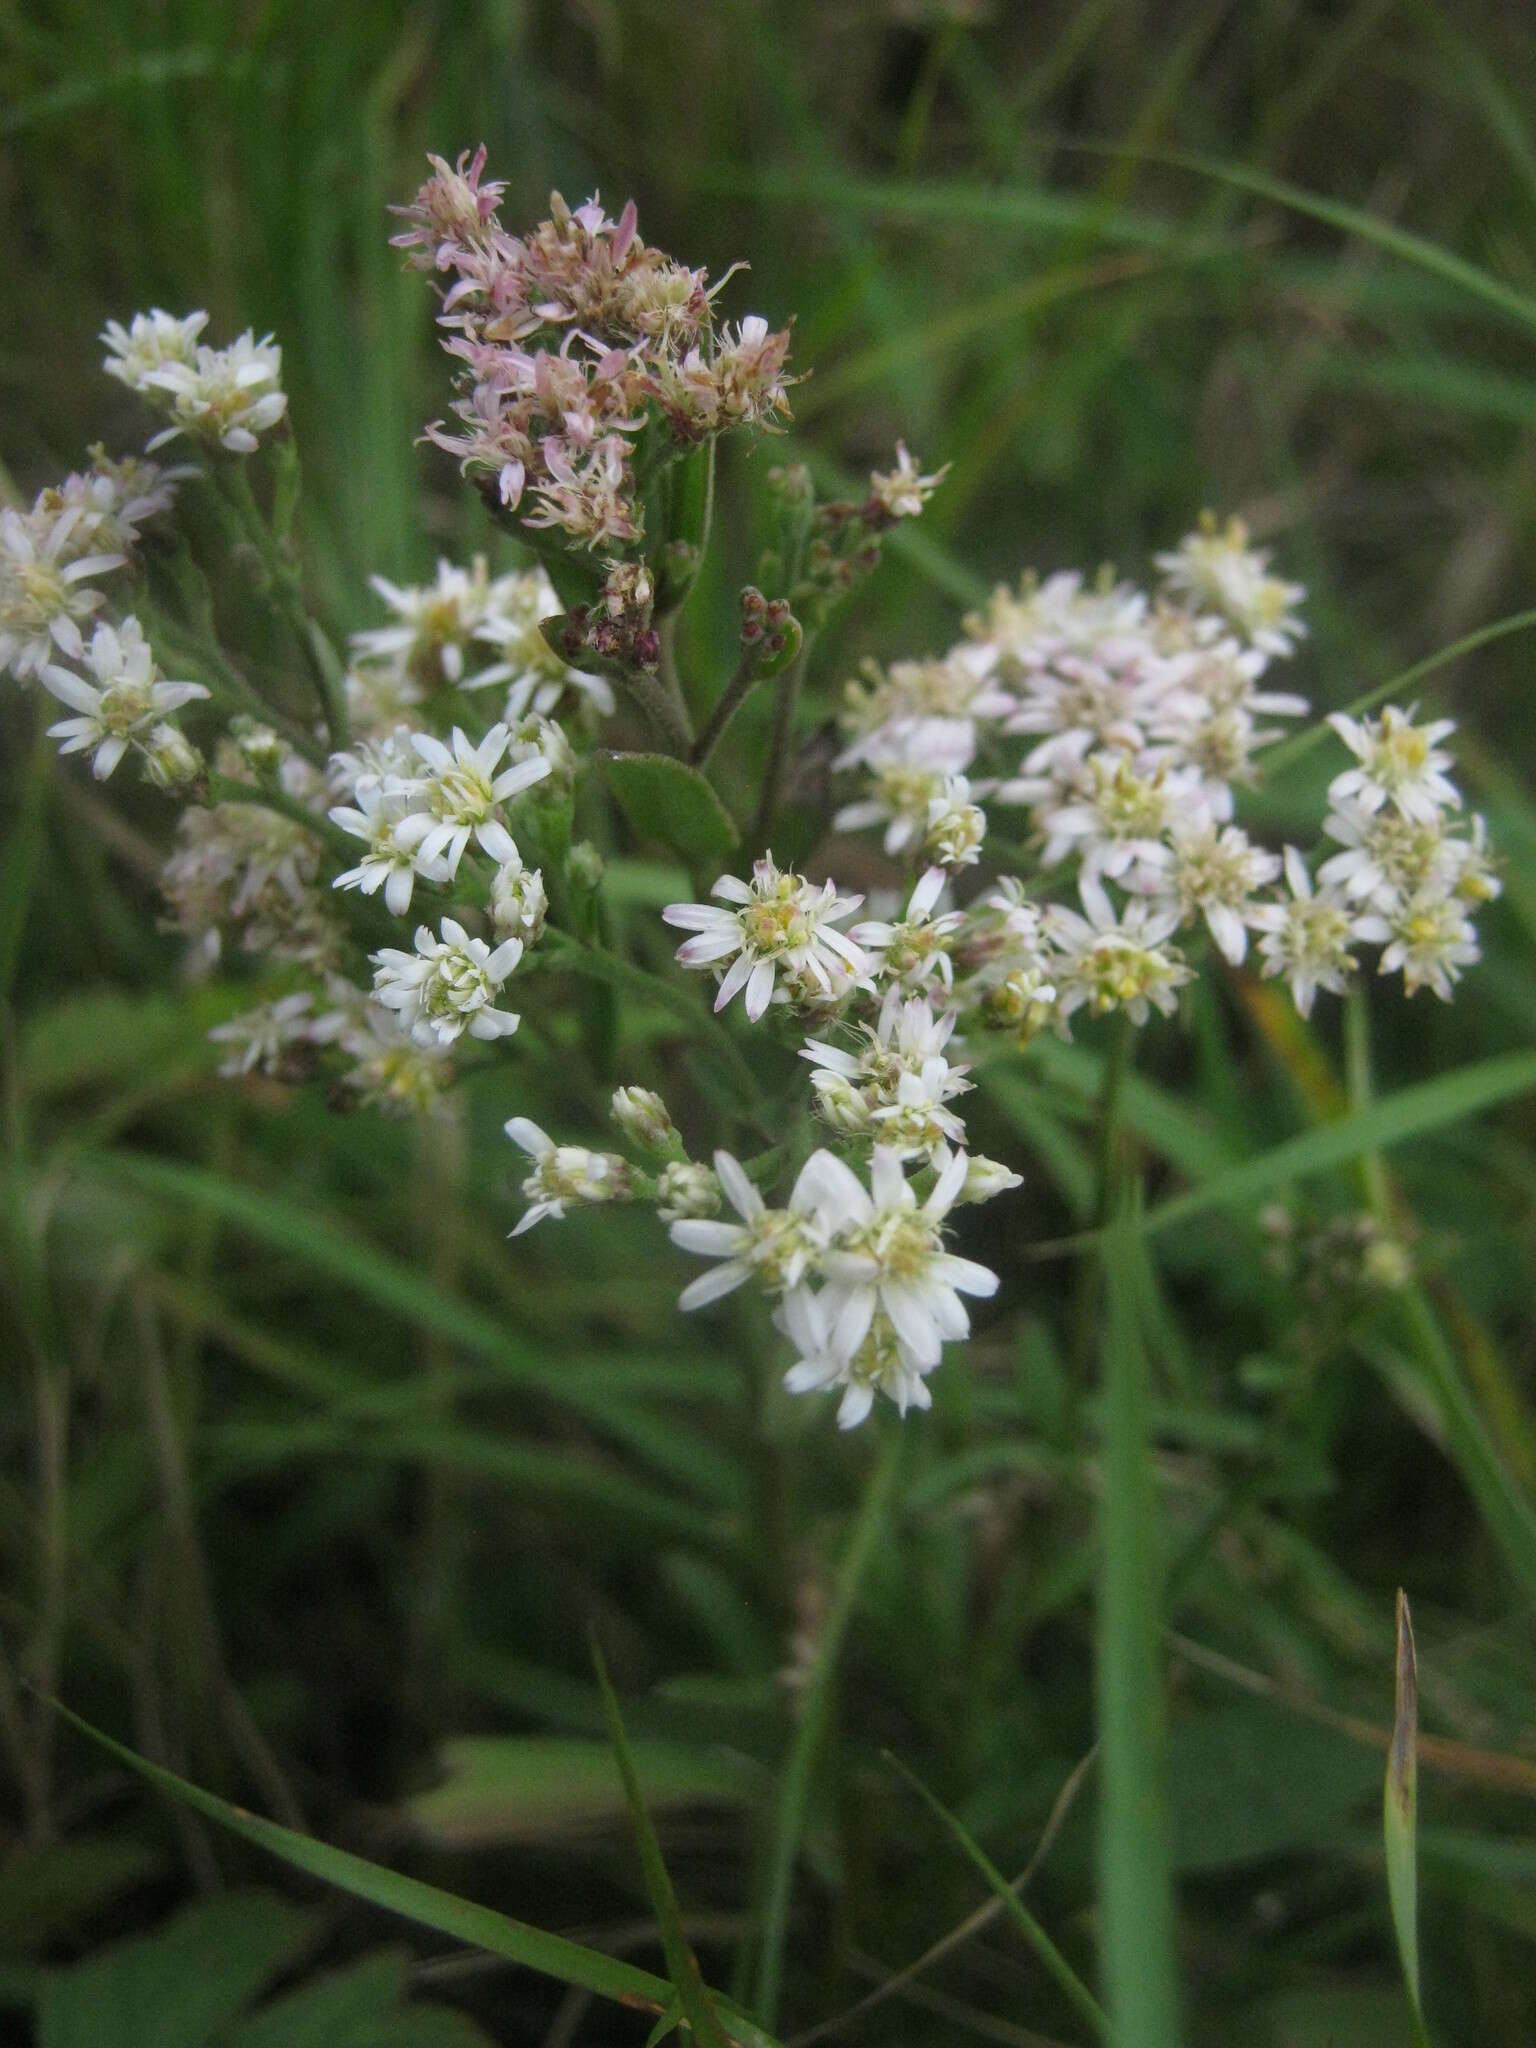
{"x": 477, "y": 1926}
{"x": 1399, "y": 1811}
{"x": 682, "y": 1965}
{"x": 1410, "y": 1113}
{"x": 1066, "y": 1977}
{"x": 1135, "y": 1886}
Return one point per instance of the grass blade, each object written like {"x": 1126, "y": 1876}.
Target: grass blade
{"x": 1135, "y": 1881}
{"x": 682, "y": 1965}
{"x": 1071, "y": 1985}
{"x": 795, "y": 1785}
{"x": 1335, "y": 213}
{"x": 1399, "y": 1812}
{"x": 425, "y": 1904}
{"x": 1409, "y": 1113}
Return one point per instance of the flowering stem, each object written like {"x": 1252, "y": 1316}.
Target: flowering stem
{"x": 805, "y": 1746}
{"x": 729, "y": 702}
{"x": 1111, "y": 1103}
{"x": 225, "y": 681}
{"x": 778, "y": 748}
{"x": 671, "y": 682}
{"x": 663, "y": 706}
{"x": 226, "y": 789}
{"x": 286, "y": 584}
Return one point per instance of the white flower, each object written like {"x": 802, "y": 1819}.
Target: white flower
{"x": 901, "y": 492}
{"x": 1122, "y": 817}
{"x": 777, "y": 923}
{"x": 684, "y": 1188}
{"x": 1215, "y": 874}
{"x": 1400, "y": 763}
{"x": 226, "y": 395}
{"x": 896, "y": 1081}
{"x": 887, "y": 1255}
{"x": 563, "y": 1174}
{"x": 263, "y": 1037}
{"x": 777, "y": 1246}
{"x": 958, "y": 688}
{"x": 879, "y": 1365}
{"x": 392, "y": 1072}
{"x": 1388, "y": 857}
{"x": 375, "y": 818}
{"x": 459, "y": 795}
{"x": 109, "y": 502}
{"x": 1215, "y": 568}
{"x": 914, "y": 949}
{"x": 128, "y": 696}
{"x": 938, "y": 746}
{"x": 955, "y": 826}
{"x": 519, "y": 903}
{"x": 468, "y": 617}
{"x": 1114, "y": 963}
{"x": 1062, "y": 617}
{"x": 43, "y": 595}
{"x": 1308, "y": 938}
{"x": 448, "y": 985}
{"x": 150, "y": 342}
{"x": 1432, "y": 941}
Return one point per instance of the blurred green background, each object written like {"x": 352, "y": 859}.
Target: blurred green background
{"x": 306, "y": 1474}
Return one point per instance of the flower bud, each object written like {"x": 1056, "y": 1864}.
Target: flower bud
{"x": 985, "y": 1178}
{"x": 584, "y": 867}
{"x": 841, "y": 1105}
{"x": 170, "y": 759}
{"x": 686, "y": 1189}
{"x": 518, "y": 902}
{"x": 641, "y": 1115}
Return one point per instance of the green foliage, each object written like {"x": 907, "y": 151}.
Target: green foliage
{"x": 672, "y": 804}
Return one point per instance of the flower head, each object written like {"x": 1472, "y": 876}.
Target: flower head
{"x": 1215, "y": 568}
{"x": 563, "y": 1174}
{"x": 778, "y": 924}
{"x": 1307, "y": 937}
{"x": 448, "y": 985}
{"x": 128, "y": 697}
{"x": 1400, "y": 763}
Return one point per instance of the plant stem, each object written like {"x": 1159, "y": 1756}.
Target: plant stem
{"x": 1117, "y": 1062}
{"x": 778, "y": 748}
{"x": 727, "y": 704}
{"x": 287, "y": 586}
{"x": 664, "y": 707}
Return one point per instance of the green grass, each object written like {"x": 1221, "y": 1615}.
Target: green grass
{"x": 308, "y": 1474}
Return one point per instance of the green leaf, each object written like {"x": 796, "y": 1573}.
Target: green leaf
{"x": 1399, "y": 1811}
{"x": 180, "y": 1986}
{"x": 1135, "y": 1886}
{"x": 1072, "y": 1986}
{"x": 666, "y": 800}
{"x": 519, "y": 1788}
{"x": 1410, "y": 1113}
{"x": 694, "y": 2003}
{"x": 477, "y": 1926}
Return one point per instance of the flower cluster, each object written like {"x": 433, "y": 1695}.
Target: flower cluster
{"x": 577, "y": 343}
{"x": 52, "y": 555}
{"x": 1057, "y": 796}
{"x": 223, "y": 397}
